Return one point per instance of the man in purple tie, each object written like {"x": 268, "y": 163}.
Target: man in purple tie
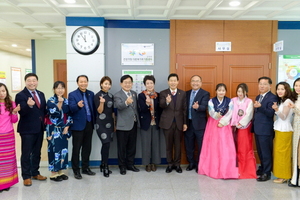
{"x": 31, "y": 128}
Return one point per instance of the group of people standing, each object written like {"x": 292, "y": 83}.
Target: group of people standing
{"x": 223, "y": 141}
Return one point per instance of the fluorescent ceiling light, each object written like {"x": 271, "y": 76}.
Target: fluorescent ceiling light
{"x": 28, "y": 49}
{"x": 70, "y": 1}
{"x": 234, "y": 3}
{"x": 14, "y": 45}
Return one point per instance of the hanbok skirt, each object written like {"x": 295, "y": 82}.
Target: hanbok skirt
{"x": 218, "y": 154}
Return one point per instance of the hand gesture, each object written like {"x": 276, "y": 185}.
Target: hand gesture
{"x": 60, "y": 99}
{"x": 195, "y": 105}
{"x": 168, "y": 98}
{"x": 102, "y": 100}
{"x": 256, "y": 104}
{"x": 80, "y": 103}
{"x": 220, "y": 125}
{"x": 30, "y": 102}
{"x": 219, "y": 115}
{"x": 275, "y": 106}
{"x": 184, "y": 127}
{"x": 17, "y": 109}
{"x": 129, "y": 100}
{"x": 66, "y": 130}
{"x": 148, "y": 100}
{"x": 291, "y": 105}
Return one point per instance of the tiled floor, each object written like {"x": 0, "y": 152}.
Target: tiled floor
{"x": 154, "y": 185}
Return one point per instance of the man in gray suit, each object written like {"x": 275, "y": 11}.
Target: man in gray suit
{"x": 125, "y": 101}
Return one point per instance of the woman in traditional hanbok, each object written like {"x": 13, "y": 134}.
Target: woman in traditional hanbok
{"x": 241, "y": 126}
{"x": 218, "y": 154}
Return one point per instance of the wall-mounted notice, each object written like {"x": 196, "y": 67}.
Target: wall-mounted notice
{"x": 288, "y": 68}
{"x": 137, "y": 76}
{"x": 278, "y": 46}
{"x": 2, "y": 77}
{"x": 16, "y": 84}
{"x": 223, "y": 46}
{"x": 27, "y": 71}
{"x": 137, "y": 54}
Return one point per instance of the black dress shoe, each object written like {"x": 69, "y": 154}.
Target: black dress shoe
{"x": 178, "y": 169}
{"x": 196, "y": 170}
{"x": 64, "y": 177}
{"x": 190, "y": 167}
{"x": 88, "y": 172}
{"x": 292, "y": 185}
{"x": 56, "y": 179}
{"x": 77, "y": 175}
{"x": 133, "y": 168}
{"x": 169, "y": 169}
{"x": 259, "y": 172}
{"x": 263, "y": 177}
{"x": 122, "y": 171}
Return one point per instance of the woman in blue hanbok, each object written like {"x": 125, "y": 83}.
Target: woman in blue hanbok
{"x": 58, "y": 122}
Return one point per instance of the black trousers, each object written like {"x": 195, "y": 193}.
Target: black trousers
{"x": 82, "y": 139}
{"x": 189, "y": 138}
{"x": 31, "y": 145}
{"x": 264, "y": 146}
{"x": 127, "y": 146}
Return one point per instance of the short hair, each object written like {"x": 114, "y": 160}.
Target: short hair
{"x": 197, "y": 76}
{"x": 85, "y": 76}
{"x": 57, "y": 83}
{"x": 150, "y": 78}
{"x": 243, "y": 86}
{"x": 265, "y": 78}
{"x": 173, "y": 75}
{"x": 126, "y": 76}
{"x": 221, "y": 85}
{"x": 29, "y": 75}
{"x": 105, "y": 78}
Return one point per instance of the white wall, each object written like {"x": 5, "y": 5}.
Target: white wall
{"x": 8, "y": 60}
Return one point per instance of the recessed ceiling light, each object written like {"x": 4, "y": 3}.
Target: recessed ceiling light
{"x": 14, "y": 45}
{"x": 70, "y": 1}
{"x": 234, "y": 3}
{"x": 28, "y": 49}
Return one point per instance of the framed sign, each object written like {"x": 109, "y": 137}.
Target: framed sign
{"x": 288, "y": 68}
{"x": 16, "y": 84}
{"x": 137, "y": 54}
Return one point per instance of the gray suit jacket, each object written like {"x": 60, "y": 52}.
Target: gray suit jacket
{"x": 125, "y": 114}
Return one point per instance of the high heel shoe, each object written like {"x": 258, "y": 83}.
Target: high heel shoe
{"x": 102, "y": 167}
{"x": 280, "y": 180}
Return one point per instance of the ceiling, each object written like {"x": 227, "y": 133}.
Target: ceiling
{"x": 23, "y": 20}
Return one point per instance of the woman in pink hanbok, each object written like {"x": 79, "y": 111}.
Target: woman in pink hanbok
{"x": 218, "y": 154}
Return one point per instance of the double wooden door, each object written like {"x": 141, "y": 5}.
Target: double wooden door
{"x": 228, "y": 69}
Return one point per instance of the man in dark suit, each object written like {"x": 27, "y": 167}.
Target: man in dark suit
{"x": 197, "y": 102}
{"x": 31, "y": 128}
{"x": 81, "y": 103}
{"x": 125, "y": 101}
{"x": 263, "y": 127}
{"x": 173, "y": 121}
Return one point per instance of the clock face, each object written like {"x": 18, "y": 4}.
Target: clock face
{"x": 85, "y": 40}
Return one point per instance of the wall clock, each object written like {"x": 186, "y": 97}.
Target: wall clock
{"x": 85, "y": 40}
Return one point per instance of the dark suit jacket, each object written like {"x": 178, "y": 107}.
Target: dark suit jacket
{"x": 263, "y": 116}
{"x": 199, "y": 116}
{"x": 171, "y": 111}
{"x": 79, "y": 114}
{"x": 145, "y": 114}
{"x": 31, "y": 119}
{"x": 125, "y": 114}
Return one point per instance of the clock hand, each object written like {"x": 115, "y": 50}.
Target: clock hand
{"x": 83, "y": 37}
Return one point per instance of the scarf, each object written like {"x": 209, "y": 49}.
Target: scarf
{"x": 152, "y": 96}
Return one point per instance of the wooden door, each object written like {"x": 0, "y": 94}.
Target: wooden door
{"x": 209, "y": 67}
{"x": 60, "y": 72}
{"x": 245, "y": 69}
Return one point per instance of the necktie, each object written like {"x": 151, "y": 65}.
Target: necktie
{"x": 87, "y": 108}
{"x": 191, "y": 104}
{"x": 173, "y": 93}
{"x": 260, "y": 98}
{"x": 37, "y": 102}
